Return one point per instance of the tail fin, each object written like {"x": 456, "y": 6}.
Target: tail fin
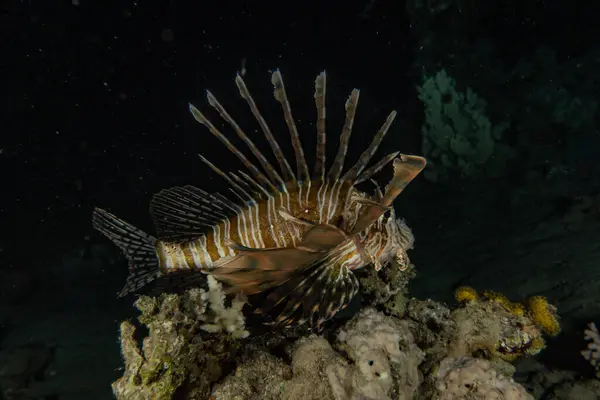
{"x": 138, "y": 247}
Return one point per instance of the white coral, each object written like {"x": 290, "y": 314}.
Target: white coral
{"x": 474, "y": 378}
{"x": 374, "y": 341}
{"x": 592, "y": 353}
{"x": 222, "y": 318}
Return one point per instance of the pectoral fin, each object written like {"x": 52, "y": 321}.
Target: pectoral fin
{"x": 318, "y": 237}
{"x": 323, "y": 238}
{"x": 316, "y": 293}
{"x": 253, "y": 271}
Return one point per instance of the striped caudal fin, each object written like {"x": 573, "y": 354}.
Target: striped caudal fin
{"x": 138, "y": 247}
{"x": 275, "y": 180}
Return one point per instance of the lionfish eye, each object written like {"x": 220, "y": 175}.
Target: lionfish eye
{"x": 387, "y": 215}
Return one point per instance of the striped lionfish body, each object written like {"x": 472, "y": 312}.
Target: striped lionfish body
{"x": 296, "y": 236}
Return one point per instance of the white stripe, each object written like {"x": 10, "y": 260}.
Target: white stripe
{"x": 308, "y": 192}
{"x": 252, "y": 228}
{"x": 193, "y": 246}
{"x": 217, "y": 240}
{"x": 207, "y": 259}
{"x": 167, "y": 257}
{"x": 287, "y": 224}
{"x": 333, "y": 199}
{"x": 227, "y": 236}
{"x": 279, "y": 221}
{"x": 321, "y": 194}
{"x": 180, "y": 258}
{"x": 271, "y": 203}
{"x": 243, "y": 238}
{"x": 260, "y": 237}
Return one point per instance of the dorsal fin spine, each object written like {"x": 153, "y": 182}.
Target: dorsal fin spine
{"x": 369, "y": 172}
{"x": 281, "y": 96}
{"x": 217, "y": 133}
{"x": 320, "y": 96}
{"x": 338, "y": 163}
{"x": 273, "y": 175}
{"x": 286, "y": 170}
{"x": 241, "y": 192}
{"x": 366, "y": 156}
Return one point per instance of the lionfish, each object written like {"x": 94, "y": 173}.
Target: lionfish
{"x": 295, "y": 237}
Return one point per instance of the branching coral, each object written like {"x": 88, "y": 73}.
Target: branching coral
{"x": 222, "y": 318}
{"x": 592, "y": 353}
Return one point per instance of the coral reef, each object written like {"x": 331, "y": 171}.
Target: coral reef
{"x": 375, "y": 356}
{"x": 261, "y": 376}
{"x": 384, "y": 355}
{"x": 423, "y": 350}
{"x": 493, "y": 324}
{"x": 175, "y": 357}
{"x": 382, "y": 363}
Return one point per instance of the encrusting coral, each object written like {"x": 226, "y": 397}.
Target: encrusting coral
{"x": 473, "y": 378}
{"x": 385, "y": 358}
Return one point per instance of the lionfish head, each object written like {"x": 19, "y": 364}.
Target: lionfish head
{"x": 389, "y": 242}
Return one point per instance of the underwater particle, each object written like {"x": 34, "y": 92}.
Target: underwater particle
{"x": 544, "y": 315}
{"x": 167, "y": 35}
{"x": 465, "y": 294}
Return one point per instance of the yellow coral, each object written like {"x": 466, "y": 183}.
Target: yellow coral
{"x": 517, "y": 309}
{"x": 544, "y": 315}
{"x": 498, "y": 298}
{"x": 465, "y": 294}
{"x": 536, "y": 345}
